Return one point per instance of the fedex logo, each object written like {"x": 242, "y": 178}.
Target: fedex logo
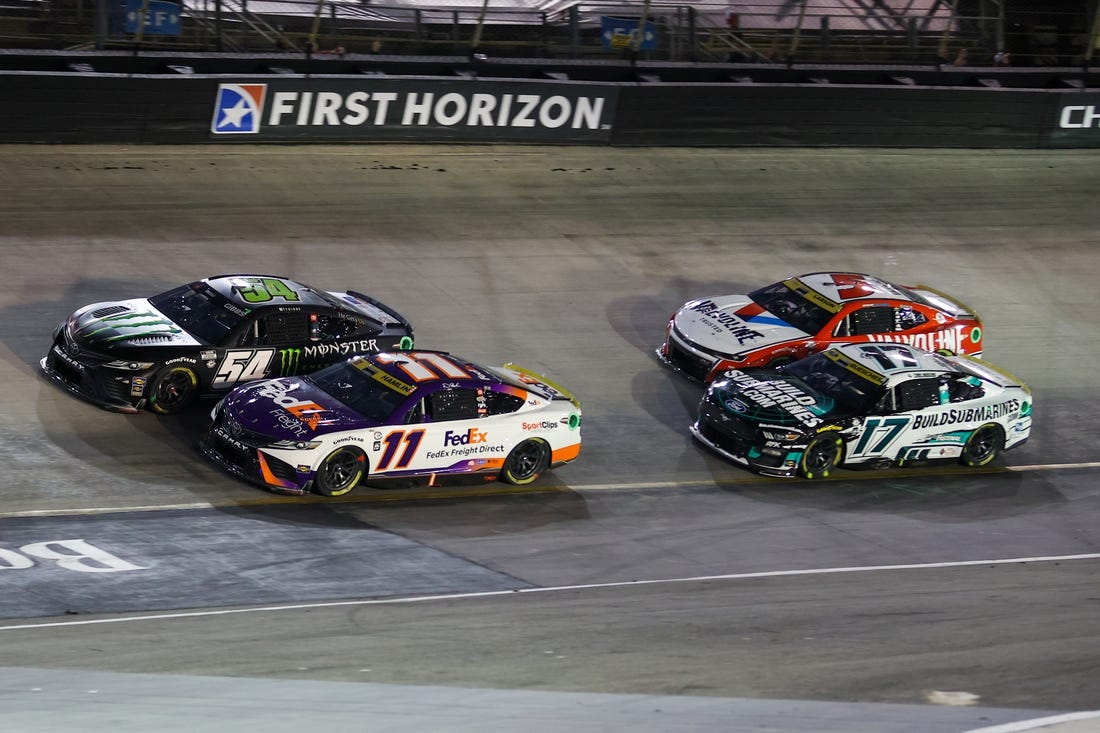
{"x": 238, "y": 108}
{"x": 470, "y": 437}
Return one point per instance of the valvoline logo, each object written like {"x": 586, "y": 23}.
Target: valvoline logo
{"x": 238, "y": 109}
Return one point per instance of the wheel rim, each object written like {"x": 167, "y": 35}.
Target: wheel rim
{"x": 340, "y": 470}
{"x": 173, "y": 389}
{"x": 983, "y": 444}
{"x": 820, "y": 457}
{"x": 527, "y": 461}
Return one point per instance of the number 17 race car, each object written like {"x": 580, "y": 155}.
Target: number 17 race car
{"x": 206, "y": 337}
{"x": 864, "y": 404}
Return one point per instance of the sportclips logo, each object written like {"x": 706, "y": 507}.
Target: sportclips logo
{"x": 410, "y": 110}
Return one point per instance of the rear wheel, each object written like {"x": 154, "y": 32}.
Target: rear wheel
{"x": 173, "y": 389}
{"x": 983, "y": 445}
{"x": 341, "y": 471}
{"x": 526, "y": 462}
{"x": 821, "y": 456}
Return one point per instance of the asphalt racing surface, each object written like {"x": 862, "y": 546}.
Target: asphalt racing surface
{"x": 647, "y": 586}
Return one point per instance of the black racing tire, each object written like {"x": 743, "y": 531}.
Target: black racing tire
{"x": 983, "y": 445}
{"x": 173, "y": 389}
{"x": 822, "y": 455}
{"x": 341, "y": 471}
{"x": 526, "y": 462}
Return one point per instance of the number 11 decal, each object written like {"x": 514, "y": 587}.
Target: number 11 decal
{"x": 411, "y": 439}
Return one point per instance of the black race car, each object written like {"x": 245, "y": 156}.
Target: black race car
{"x": 204, "y": 338}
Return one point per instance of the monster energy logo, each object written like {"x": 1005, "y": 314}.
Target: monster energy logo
{"x": 290, "y": 360}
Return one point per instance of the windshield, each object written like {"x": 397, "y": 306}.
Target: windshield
{"x": 792, "y": 307}
{"x": 357, "y": 389}
{"x": 854, "y": 394}
{"x": 199, "y": 310}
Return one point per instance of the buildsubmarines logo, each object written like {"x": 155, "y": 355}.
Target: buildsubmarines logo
{"x": 238, "y": 109}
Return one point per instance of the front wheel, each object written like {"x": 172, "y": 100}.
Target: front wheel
{"x": 526, "y": 462}
{"x": 821, "y": 456}
{"x": 173, "y": 389}
{"x": 341, "y": 471}
{"x": 983, "y": 445}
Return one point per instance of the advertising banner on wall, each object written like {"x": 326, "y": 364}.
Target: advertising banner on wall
{"x": 1075, "y": 123}
{"x": 476, "y": 110}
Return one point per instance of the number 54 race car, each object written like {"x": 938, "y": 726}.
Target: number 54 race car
{"x": 394, "y": 415}
{"x": 799, "y": 316}
{"x": 870, "y": 404}
{"x": 208, "y": 336}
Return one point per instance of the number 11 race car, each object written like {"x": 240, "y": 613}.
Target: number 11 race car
{"x": 870, "y": 404}
{"x": 207, "y": 337}
{"x": 394, "y": 415}
{"x": 799, "y": 316}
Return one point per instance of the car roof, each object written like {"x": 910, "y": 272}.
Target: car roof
{"x": 856, "y": 286}
{"x": 407, "y": 371}
{"x": 230, "y": 287}
{"x": 889, "y": 361}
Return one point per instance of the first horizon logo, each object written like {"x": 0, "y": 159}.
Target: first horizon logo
{"x": 238, "y": 109}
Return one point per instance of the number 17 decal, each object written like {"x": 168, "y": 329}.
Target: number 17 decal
{"x": 885, "y": 429}
{"x": 393, "y": 441}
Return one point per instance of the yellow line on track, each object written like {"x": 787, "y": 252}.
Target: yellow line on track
{"x": 435, "y": 493}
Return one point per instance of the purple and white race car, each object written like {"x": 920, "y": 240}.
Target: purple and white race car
{"x": 394, "y": 415}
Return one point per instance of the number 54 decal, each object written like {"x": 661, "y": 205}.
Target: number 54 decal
{"x": 242, "y": 365}
{"x": 878, "y": 434}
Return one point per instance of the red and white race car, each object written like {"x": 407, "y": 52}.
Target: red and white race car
{"x": 799, "y": 316}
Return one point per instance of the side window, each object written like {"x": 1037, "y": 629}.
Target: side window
{"x": 499, "y": 403}
{"x": 962, "y": 389}
{"x": 872, "y": 319}
{"x": 917, "y": 394}
{"x": 275, "y": 329}
{"x": 328, "y": 327}
{"x": 906, "y": 317}
{"x": 453, "y": 404}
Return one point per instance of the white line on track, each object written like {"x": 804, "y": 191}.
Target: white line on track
{"x": 1036, "y": 723}
{"x": 551, "y": 589}
{"x": 487, "y": 491}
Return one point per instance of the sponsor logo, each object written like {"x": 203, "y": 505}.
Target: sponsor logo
{"x": 737, "y": 405}
{"x": 541, "y": 425}
{"x": 137, "y": 386}
{"x": 289, "y": 361}
{"x": 208, "y": 354}
{"x": 179, "y": 359}
{"x": 471, "y": 436}
{"x": 971, "y": 414}
{"x": 1076, "y": 117}
{"x": 348, "y": 347}
{"x": 777, "y": 394}
{"x": 934, "y": 341}
{"x": 238, "y": 109}
{"x": 306, "y": 411}
{"x": 349, "y": 439}
{"x": 727, "y": 321}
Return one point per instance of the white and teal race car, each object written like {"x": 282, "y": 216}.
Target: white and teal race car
{"x": 864, "y": 404}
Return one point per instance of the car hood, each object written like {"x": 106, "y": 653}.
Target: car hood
{"x": 290, "y": 409}
{"x": 125, "y": 324}
{"x": 773, "y": 399}
{"x": 731, "y": 324}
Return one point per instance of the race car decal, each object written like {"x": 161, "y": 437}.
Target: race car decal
{"x": 737, "y": 328}
{"x": 936, "y": 341}
{"x": 242, "y": 365}
{"x": 812, "y": 295}
{"x": 411, "y": 439}
{"x": 884, "y": 430}
{"x": 855, "y": 367}
{"x": 261, "y": 290}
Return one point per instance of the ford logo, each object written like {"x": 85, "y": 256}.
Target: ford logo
{"x": 737, "y": 405}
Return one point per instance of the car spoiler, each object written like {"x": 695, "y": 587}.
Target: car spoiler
{"x": 562, "y": 393}
{"x": 382, "y": 307}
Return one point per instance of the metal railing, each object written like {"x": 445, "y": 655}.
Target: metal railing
{"x": 775, "y": 31}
